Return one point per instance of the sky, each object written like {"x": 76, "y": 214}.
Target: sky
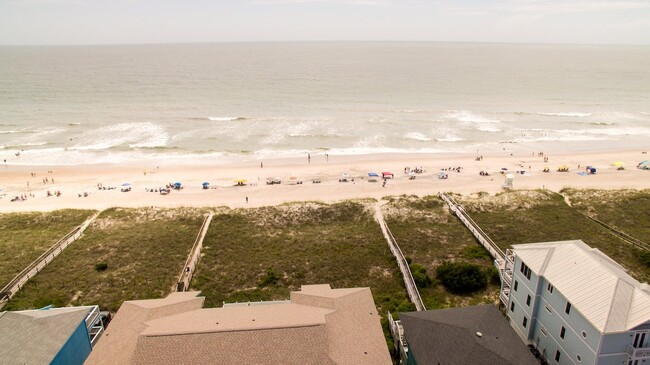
{"x": 55, "y": 22}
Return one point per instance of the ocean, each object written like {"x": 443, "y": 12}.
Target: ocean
{"x": 197, "y": 103}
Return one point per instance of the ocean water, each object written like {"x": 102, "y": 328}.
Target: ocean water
{"x": 201, "y": 102}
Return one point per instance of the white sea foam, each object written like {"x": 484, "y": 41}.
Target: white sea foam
{"x": 485, "y": 128}
{"x": 417, "y": 136}
{"x": 135, "y": 135}
{"x": 225, "y": 119}
{"x": 469, "y": 117}
{"x": 569, "y": 114}
{"x": 625, "y": 131}
{"x": 10, "y": 132}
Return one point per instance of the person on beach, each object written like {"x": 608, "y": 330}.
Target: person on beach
{"x": 309, "y": 158}
{"x": 246, "y": 200}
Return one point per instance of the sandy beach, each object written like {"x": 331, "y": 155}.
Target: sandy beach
{"x": 73, "y": 181}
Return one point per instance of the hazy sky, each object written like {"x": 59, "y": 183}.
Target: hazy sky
{"x": 162, "y": 21}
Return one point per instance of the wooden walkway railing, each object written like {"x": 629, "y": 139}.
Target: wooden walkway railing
{"x": 37, "y": 265}
{"x": 409, "y": 283}
{"x": 185, "y": 277}
{"x": 495, "y": 251}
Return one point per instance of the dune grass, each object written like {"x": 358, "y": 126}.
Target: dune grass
{"x": 25, "y": 236}
{"x": 144, "y": 251}
{"x": 264, "y": 253}
{"x": 542, "y": 216}
{"x": 429, "y": 235}
{"x": 626, "y": 210}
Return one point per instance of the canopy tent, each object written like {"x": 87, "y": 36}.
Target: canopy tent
{"x": 178, "y": 184}
{"x": 442, "y": 175}
{"x": 644, "y": 165}
{"x": 206, "y": 185}
{"x": 373, "y": 176}
{"x": 387, "y": 175}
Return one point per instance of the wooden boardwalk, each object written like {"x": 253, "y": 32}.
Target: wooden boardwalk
{"x": 185, "y": 278}
{"x": 37, "y": 265}
{"x": 409, "y": 283}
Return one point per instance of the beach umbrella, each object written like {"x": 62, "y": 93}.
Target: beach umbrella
{"x": 177, "y": 184}
{"x": 617, "y": 164}
{"x": 240, "y": 181}
{"x": 126, "y": 184}
{"x": 205, "y": 183}
{"x": 504, "y": 169}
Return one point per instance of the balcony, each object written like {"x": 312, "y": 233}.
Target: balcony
{"x": 638, "y": 353}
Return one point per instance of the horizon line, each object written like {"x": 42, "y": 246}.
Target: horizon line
{"x": 319, "y": 41}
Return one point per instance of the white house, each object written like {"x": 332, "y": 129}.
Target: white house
{"x": 576, "y": 305}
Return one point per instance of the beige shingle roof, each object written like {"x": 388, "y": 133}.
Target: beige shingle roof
{"x": 596, "y": 286}
{"x": 319, "y": 326}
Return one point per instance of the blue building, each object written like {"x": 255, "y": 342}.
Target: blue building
{"x": 576, "y": 305}
{"x": 57, "y": 336}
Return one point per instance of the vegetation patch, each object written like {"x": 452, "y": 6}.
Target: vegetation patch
{"x": 144, "y": 251}
{"x": 265, "y": 253}
{"x": 461, "y": 277}
{"x": 428, "y": 233}
{"x": 518, "y": 217}
{"x": 26, "y": 236}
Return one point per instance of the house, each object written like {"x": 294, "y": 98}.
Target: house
{"x": 318, "y": 325}
{"x": 57, "y": 336}
{"x": 576, "y": 305}
{"x": 477, "y": 335}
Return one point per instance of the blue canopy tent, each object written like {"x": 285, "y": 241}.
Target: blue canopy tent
{"x": 206, "y": 185}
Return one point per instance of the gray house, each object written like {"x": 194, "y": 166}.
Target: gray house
{"x": 576, "y": 305}
{"x": 477, "y": 335}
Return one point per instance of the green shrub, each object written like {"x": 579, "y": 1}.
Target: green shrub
{"x": 101, "y": 266}
{"x": 475, "y": 252}
{"x": 422, "y": 280}
{"x": 461, "y": 277}
{"x": 645, "y": 258}
{"x": 270, "y": 278}
{"x": 493, "y": 275}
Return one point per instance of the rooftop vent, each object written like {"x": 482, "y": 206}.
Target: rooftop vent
{"x": 479, "y": 334}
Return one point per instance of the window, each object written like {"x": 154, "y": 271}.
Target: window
{"x": 525, "y": 270}
{"x": 548, "y": 309}
{"x": 557, "y": 355}
{"x": 549, "y": 288}
{"x": 525, "y": 323}
{"x": 512, "y": 306}
{"x": 567, "y": 309}
{"x": 562, "y": 332}
{"x": 516, "y": 285}
{"x": 543, "y": 331}
{"x": 528, "y": 301}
